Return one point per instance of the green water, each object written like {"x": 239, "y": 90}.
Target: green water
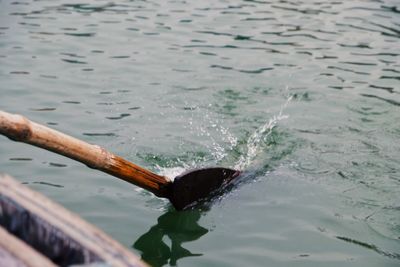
{"x": 303, "y": 95}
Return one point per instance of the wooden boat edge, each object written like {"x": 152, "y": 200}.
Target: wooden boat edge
{"x": 65, "y": 223}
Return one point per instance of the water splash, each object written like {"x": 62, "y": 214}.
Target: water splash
{"x": 254, "y": 142}
{"x": 220, "y": 141}
{"x": 172, "y": 172}
{"x": 217, "y": 139}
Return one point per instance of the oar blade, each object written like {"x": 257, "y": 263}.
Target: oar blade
{"x": 193, "y": 186}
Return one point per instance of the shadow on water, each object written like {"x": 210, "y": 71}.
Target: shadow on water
{"x": 178, "y": 227}
{"x": 162, "y": 243}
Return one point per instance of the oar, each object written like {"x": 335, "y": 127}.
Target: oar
{"x": 184, "y": 191}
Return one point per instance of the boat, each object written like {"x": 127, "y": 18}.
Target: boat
{"x": 37, "y": 232}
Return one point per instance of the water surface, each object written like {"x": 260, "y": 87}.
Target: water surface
{"x": 302, "y": 95}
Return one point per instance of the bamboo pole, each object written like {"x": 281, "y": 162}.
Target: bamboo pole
{"x": 19, "y": 128}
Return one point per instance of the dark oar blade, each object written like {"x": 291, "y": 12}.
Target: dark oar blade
{"x": 192, "y": 186}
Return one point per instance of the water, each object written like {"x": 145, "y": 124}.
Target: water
{"x": 304, "y": 96}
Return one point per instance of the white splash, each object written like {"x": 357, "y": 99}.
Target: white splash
{"x": 222, "y": 141}
{"x": 218, "y": 139}
{"x": 172, "y": 172}
{"x": 254, "y": 141}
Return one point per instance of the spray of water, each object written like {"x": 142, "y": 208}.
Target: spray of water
{"x": 221, "y": 141}
{"x": 255, "y": 140}
{"x": 172, "y": 172}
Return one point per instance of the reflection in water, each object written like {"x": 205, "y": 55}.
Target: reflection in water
{"x": 179, "y": 227}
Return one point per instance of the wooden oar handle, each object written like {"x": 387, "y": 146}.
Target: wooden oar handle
{"x": 19, "y": 128}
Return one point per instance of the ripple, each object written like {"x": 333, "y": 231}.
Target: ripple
{"x": 69, "y": 29}
{"x": 88, "y": 8}
{"x": 389, "y": 77}
{"x": 221, "y": 67}
{"x": 100, "y": 134}
{"x": 120, "y": 57}
{"x": 326, "y": 57}
{"x": 358, "y": 63}
{"x": 72, "y": 102}
{"x": 308, "y": 11}
{"x": 133, "y": 29}
{"x": 72, "y": 61}
{"x": 59, "y": 165}
{"x": 369, "y": 246}
{"x": 151, "y": 33}
{"x": 194, "y": 88}
{"x": 43, "y": 109}
{"x": 208, "y": 54}
{"x": 363, "y": 46}
{"x": 389, "y": 89}
{"x": 256, "y": 71}
{"x": 390, "y": 54}
{"x": 43, "y": 33}
{"x": 392, "y": 70}
{"x": 390, "y": 101}
{"x": 121, "y": 116}
{"x": 20, "y": 159}
{"x": 29, "y": 24}
{"x": 49, "y": 184}
{"x": 83, "y": 34}
{"x": 238, "y": 37}
{"x": 306, "y": 35}
{"x": 348, "y": 70}
{"x": 393, "y": 9}
{"x": 395, "y": 32}
{"x": 339, "y": 87}
{"x": 357, "y": 27}
{"x": 20, "y": 72}
{"x": 258, "y": 19}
